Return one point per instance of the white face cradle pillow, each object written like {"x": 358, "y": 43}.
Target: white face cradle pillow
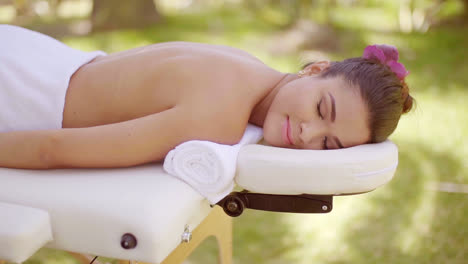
{"x": 265, "y": 169}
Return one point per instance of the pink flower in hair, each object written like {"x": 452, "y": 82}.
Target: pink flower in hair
{"x": 391, "y": 52}
{"x": 387, "y": 55}
{"x": 373, "y": 52}
{"x": 398, "y": 68}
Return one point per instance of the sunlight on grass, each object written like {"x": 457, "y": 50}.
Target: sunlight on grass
{"x": 411, "y": 237}
{"x": 441, "y": 124}
{"x": 320, "y": 236}
{"x": 323, "y": 238}
{"x": 7, "y": 13}
{"x": 51, "y": 256}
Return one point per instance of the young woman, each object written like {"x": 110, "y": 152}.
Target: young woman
{"x": 66, "y": 108}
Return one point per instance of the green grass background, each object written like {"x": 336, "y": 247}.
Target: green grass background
{"x": 405, "y": 221}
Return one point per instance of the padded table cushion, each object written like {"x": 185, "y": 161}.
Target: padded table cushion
{"x": 265, "y": 169}
{"x": 90, "y": 209}
{"x": 23, "y": 230}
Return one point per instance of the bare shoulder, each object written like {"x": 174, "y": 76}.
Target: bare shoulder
{"x": 204, "y": 46}
{"x": 221, "y": 121}
{"x": 236, "y": 51}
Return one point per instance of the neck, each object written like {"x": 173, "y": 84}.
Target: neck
{"x": 259, "y": 112}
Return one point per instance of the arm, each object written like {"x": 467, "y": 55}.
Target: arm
{"x": 122, "y": 144}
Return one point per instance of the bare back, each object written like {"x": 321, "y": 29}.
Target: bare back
{"x": 224, "y": 81}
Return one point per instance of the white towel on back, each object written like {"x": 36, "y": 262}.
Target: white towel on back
{"x": 209, "y": 167}
{"x": 35, "y": 71}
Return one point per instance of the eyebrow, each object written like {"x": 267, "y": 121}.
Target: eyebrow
{"x": 333, "y": 111}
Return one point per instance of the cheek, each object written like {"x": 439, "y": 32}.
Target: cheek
{"x": 304, "y": 108}
{"x": 272, "y": 128}
{"x": 305, "y": 101}
{"x": 268, "y": 126}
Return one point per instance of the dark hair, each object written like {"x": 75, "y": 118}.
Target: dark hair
{"x": 387, "y": 96}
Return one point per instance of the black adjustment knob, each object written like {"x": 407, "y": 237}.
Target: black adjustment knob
{"x": 233, "y": 206}
{"x": 128, "y": 241}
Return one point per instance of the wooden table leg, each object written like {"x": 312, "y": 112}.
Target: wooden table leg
{"x": 217, "y": 224}
{"x": 224, "y": 238}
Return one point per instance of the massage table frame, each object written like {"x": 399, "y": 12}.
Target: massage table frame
{"x": 216, "y": 224}
{"x": 219, "y": 223}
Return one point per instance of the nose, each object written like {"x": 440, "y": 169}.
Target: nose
{"x": 311, "y": 132}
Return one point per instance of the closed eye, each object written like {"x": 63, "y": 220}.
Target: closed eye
{"x": 318, "y": 109}
{"x": 319, "y": 113}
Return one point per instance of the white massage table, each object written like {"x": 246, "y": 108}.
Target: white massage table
{"x": 143, "y": 214}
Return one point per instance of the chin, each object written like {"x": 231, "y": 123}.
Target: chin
{"x": 267, "y": 140}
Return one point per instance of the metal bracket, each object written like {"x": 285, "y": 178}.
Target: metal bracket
{"x": 235, "y": 203}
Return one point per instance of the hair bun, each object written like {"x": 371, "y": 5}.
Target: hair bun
{"x": 407, "y": 98}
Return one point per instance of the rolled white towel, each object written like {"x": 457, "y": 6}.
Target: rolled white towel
{"x": 209, "y": 167}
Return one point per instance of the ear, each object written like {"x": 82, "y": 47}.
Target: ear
{"x": 316, "y": 67}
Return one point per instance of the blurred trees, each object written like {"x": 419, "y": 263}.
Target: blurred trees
{"x": 114, "y": 14}
{"x": 410, "y": 15}
{"x": 294, "y": 10}
{"x": 465, "y": 13}
{"x": 414, "y": 16}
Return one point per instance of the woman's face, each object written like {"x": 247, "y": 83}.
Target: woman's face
{"x": 317, "y": 113}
